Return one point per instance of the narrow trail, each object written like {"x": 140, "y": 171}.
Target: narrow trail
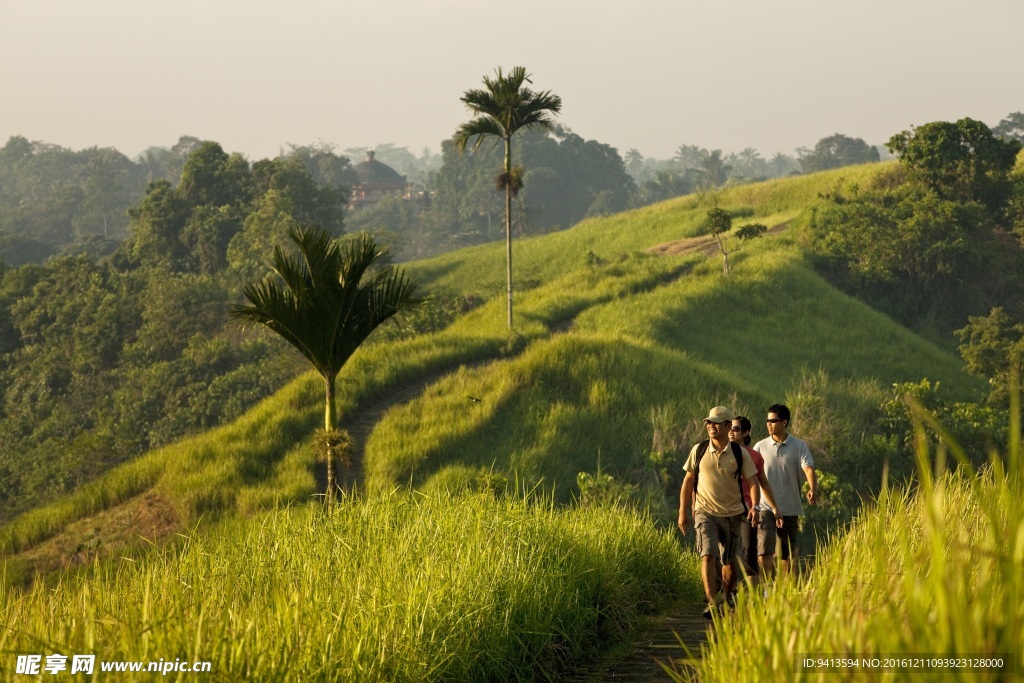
{"x": 656, "y": 644}
{"x": 361, "y": 422}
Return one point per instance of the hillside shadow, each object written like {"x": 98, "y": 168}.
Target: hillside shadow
{"x": 570, "y": 402}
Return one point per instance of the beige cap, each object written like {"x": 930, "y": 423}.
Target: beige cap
{"x": 720, "y": 414}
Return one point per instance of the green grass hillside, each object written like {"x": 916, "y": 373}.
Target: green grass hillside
{"x": 608, "y": 336}
{"x": 627, "y": 331}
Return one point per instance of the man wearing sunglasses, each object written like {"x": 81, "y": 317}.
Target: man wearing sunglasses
{"x": 785, "y": 458}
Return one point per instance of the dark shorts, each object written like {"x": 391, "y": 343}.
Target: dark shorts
{"x": 717, "y": 536}
{"x": 786, "y": 536}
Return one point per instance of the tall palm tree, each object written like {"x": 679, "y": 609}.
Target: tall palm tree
{"x": 505, "y": 105}
{"x": 325, "y": 301}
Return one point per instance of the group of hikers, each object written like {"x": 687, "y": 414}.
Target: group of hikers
{"x": 745, "y": 501}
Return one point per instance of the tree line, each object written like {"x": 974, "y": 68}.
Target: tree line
{"x": 56, "y": 202}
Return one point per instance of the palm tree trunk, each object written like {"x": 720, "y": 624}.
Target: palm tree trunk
{"x": 330, "y": 420}
{"x": 508, "y": 223}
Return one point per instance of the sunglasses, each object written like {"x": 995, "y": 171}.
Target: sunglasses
{"x": 773, "y": 420}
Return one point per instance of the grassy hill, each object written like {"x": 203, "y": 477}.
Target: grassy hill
{"x": 627, "y": 331}
{"x": 612, "y": 333}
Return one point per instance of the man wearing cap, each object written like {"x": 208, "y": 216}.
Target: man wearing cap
{"x": 714, "y": 470}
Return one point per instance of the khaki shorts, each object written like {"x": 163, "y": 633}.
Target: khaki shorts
{"x": 717, "y": 536}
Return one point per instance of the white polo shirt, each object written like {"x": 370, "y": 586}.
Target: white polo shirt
{"x": 784, "y": 465}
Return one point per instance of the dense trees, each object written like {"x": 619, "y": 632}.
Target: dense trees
{"x": 692, "y": 168}
{"x": 566, "y": 179}
{"x": 1011, "y": 128}
{"x": 962, "y": 161}
{"x": 930, "y": 241}
{"x": 191, "y": 227}
{"x": 714, "y": 169}
{"x": 993, "y": 346}
{"x": 55, "y": 201}
{"x": 836, "y": 151}
{"x": 100, "y": 360}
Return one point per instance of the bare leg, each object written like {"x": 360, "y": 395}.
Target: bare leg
{"x": 767, "y": 563}
{"x": 709, "y": 574}
{"x": 728, "y": 579}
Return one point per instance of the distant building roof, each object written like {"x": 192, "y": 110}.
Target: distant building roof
{"x": 374, "y": 172}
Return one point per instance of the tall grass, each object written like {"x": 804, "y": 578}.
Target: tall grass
{"x": 398, "y": 587}
{"x": 782, "y": 194}
{"x": 931, "y": 572}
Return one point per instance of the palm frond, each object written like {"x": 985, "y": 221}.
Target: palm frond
{"x": 504, "y": 106}
{"x": 276, "y": 308}
{"x": 321, "y": 300}
{"x": 476, "y": 130}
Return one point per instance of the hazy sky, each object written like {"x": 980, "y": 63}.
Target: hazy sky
{"x": 257, "y": 75}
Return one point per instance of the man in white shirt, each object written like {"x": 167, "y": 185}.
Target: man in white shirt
{"x": 785, "y": 456}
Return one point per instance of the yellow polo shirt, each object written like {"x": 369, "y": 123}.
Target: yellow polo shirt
{"x": 718, "y": 491}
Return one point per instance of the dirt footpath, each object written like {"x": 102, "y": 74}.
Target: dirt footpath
{"x": 657, "y": 644}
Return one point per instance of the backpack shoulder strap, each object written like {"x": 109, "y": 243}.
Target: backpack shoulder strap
{"x": 702, "y": 448}
{"x": 738, "y": 453}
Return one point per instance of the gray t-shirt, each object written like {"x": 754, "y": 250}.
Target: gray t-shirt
{"x": 784, "y": 465}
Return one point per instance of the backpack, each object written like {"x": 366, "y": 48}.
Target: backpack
{"x": 702, "y": 448}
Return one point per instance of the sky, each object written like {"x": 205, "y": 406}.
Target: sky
{"x": 260, "y": 75}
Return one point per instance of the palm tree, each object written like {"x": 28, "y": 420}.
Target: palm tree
{"x": 750, "y": 161}
{"x": 689, "y": 156}
{"x": 503, "y": 107}
{"x": 714, "y": 168}
{"x": 325, "y": 301}
{"x": 634, "y": 161}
